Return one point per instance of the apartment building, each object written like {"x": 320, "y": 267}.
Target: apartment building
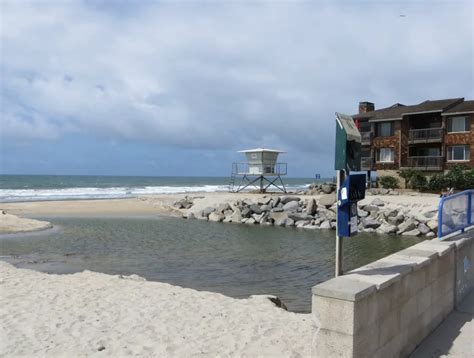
{"x": 430, "y": 136}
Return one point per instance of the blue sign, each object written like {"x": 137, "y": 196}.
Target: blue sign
{"x": 352, "y": 190}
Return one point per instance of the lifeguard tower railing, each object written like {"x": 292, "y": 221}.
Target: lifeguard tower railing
{"x": 455, "y": 213}
{"x": 270, "y": 169}
{"x": 245, "y": 175}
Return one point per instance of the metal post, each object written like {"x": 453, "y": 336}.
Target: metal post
{"x": 339, "y": 179}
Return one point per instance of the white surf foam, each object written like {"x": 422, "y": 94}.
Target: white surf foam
{"x": 14, "y": 195}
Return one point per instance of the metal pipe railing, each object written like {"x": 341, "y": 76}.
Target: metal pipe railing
{"x": 455, "y": 213}
{"x": 425, "y": 161}
{"x": 272, "y": 168}
{"x": 425, "y": 134}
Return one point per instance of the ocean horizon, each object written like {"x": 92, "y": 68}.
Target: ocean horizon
{"x": 20, "y": 188}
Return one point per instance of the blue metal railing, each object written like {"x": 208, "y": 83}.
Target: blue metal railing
{"x": 455, "y": 213}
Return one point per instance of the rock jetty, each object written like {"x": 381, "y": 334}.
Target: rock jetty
{"x": 320, "y": 213}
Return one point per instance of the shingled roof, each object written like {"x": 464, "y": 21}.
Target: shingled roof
{"x": 397, "y": 111}
{"x": 461, "y": 108}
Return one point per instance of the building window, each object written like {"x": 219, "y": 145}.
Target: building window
{"x": 458, "y": 152}
{"x": 385, "y": 129}
{"x": 385, "y": 155}
{"x": 458, "y": 124}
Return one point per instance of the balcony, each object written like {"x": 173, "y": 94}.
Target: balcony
{"x": 366, "y": 138}
{"x": 426, "y": 135}
{"x": 426, "y": 163}
{"x": 366, "y": 163}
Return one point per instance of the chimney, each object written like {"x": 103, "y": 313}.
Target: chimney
{"x": 365, "y": 107}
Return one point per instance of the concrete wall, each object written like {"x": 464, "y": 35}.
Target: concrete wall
{"x": 385, "y": 309}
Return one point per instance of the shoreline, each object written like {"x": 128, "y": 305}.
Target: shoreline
{"x": 410, "y": 205}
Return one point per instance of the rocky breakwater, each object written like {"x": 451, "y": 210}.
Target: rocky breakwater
{"x": 320, "y": 213}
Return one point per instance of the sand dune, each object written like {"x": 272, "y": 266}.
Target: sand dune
{"x": 91, "y": 313}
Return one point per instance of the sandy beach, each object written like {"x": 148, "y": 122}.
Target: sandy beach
{"x": 91, "y": 313}
{"x": 163, "y": 204}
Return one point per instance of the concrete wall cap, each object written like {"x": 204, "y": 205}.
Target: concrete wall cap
{"x": 344, "y": 288}
{"x": 441, "y": 250}
{"x": 428, "y": 252}
{"x": 418, "y": 262}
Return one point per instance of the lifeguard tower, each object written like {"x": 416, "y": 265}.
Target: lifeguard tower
{"x": 261, "y": 171}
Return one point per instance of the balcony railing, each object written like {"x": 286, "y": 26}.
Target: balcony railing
{"x": 426, "y": 163}
{"x": 366, "y": 163}
{"x": 427, "y": 135}
{"x": 366, "y": 138}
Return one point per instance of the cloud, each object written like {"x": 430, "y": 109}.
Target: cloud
{"x": 223, "y": 75}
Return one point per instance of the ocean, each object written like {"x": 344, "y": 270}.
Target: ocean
{"x": 16, "y": 188}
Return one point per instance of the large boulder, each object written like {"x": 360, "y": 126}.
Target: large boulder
{"x": 275, "y": 201}
{"x": 377, "y": 202}
{"x": 369, "y": 223}
{"x": 430, "y": 214}
{"x": 395, "y": 220}
{"x": 362, "y": 213}
{"x": 250, "y": 221}
{"x": 390, "y": 213}
{"x": 264, "y": 201}
{"x": 432, "y": 224}
{"x": 327, "y": 188}
{"x": 299, "y": 224}
{"x": 216, "y": 217}
{"x": 246, "y": 212}
{"x": 255, "y": 209}
{"x": 421, "y": 218}
{"x": 423, "y": 229}
{"x": 291, "y": 206}
{"x": 223, "y": 207}
{"x": 414, "y": 232}
{"x": 265, "y": 207}
{"x": 371, "y": 208}
{"x": 407, "y": 225}
{"x": 279, "y": 219}
{"x": 286, "y": 199}
{"x": 386, "y": 228}
{"x": 299, "y": 216}
{"x": 207, "y": 211}
{"x": 326, "y": 224}
{"x": 327, "y": 200}
{"x": 311, "y": 207}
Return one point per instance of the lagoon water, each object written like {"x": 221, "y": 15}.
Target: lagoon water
{"x": 235, "y": 260}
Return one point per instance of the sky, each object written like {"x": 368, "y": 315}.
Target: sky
{"x": 177, "y": 87}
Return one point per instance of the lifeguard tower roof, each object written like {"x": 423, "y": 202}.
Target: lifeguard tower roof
{"x": 258, "y": 150}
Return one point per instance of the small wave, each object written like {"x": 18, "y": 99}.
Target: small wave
{"x": 15, "y": 195}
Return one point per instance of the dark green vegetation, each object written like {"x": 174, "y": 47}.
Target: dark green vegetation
{"x": 460, "y": 177}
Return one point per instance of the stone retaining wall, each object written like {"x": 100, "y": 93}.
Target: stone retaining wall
{"x": 385, "y": 309}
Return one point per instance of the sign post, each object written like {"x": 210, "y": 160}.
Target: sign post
{"x": 350, "y": 188}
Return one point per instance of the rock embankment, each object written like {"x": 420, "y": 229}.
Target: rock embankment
{"x": 313, "y": 214}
